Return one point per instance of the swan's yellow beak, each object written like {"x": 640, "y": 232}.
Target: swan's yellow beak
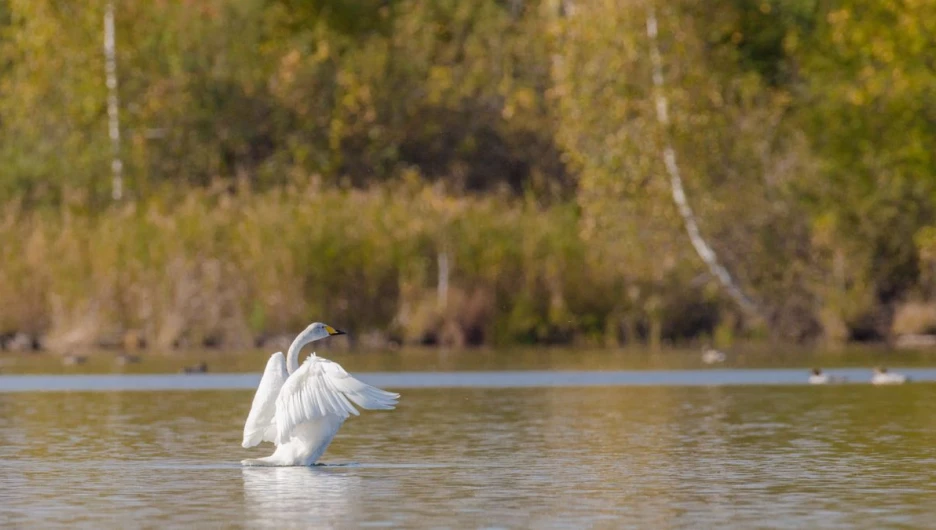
{"x": 333, "y": 331}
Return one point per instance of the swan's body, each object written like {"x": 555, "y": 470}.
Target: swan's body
{"x": 301, "y": 408}
{"x": 883, "y": 377}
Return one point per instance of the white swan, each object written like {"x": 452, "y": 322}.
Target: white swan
{"x": 301, "y": 408}
{"x": 883, "y": 377}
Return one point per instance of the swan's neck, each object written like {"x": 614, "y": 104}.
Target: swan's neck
{"x": 292, "y": 356}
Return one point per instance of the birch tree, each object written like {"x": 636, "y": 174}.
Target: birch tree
{"x": 685, "y": 158}
{"x": 701, "y": 246}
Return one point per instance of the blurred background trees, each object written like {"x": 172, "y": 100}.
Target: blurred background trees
{"x": 518, "y": 137}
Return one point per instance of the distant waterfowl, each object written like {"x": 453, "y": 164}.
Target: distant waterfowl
{"x": 882, "y": 377}
{"x": 18, "y": 342}
{"x": 126, "y": 358}
{"x": 818, "y": 378}
{"x": 74, "y": 360}
{"x": 199, "y": 368}
{"x": 301, "y": 408}
{"x": 713, "y": 356}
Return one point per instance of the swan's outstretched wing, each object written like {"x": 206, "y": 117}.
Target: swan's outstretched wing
{"x": 259, "y": 426}
{"x": 321, "y": 388}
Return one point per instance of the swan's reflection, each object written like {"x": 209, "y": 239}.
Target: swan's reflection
{"x": 308, "y": 496}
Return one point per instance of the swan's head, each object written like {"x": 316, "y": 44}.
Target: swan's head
{"x": 816, "y": 371}
{"x": 312, "y": 333}
{"x": 318, "y": 330}
{"x": 315, "y": 331}
{"x": 880, "y": 370}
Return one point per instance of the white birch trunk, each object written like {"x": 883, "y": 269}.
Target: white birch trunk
{"x": 113, "y": 103}
{"x": 701, "y": 247}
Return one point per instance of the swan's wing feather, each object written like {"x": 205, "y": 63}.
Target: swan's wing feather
{"x": 364, "y": 395}
{"x": 303, "y": 398}
{"x": 259, "y": 426}
{"x": 321, "y": 388}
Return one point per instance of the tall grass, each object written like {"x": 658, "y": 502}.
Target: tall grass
{"x": 220, "y": 268}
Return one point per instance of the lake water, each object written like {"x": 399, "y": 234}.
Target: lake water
{"x": 642, "y": 449}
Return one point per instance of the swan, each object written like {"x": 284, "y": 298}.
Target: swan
{"x": 882, "y": 377}
{"x": 301, "y": 408}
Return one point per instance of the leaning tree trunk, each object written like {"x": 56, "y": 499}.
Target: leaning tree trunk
{"x": 702, "y": 248}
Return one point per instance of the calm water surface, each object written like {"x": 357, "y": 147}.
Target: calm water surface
{"x": 570, "y": 455}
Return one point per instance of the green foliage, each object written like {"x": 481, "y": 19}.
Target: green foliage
{"x": 259, "y": 90}
{"x": 521, "y": 138}
{"x": 737, "y": 155}
{"x": 51, "y": 103}
{"x": 868, "y": 111}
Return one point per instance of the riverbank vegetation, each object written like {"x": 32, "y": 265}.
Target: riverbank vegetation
{"x": 494, "y": 172}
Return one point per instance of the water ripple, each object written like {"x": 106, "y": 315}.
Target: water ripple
{"x": 603, "y": 457}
